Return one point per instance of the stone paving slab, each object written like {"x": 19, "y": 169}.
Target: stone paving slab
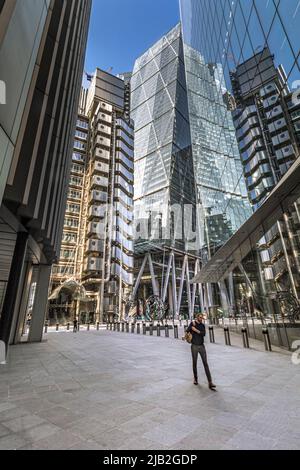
{"x": 109, "y": 390}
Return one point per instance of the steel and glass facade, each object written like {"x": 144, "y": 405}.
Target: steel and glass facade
{"x": 97, "y": 242}
{"x": 255, "y": 47}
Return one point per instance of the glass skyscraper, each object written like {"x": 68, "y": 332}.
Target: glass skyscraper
{"x": 254, "y": 45}
{"x": 163, "y": 158}
{"x": 186, "y": 151}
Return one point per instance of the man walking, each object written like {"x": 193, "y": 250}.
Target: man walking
{"x": 198, "y": 331}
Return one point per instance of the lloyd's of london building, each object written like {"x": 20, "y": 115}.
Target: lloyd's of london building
{"x": 94, "y": 273}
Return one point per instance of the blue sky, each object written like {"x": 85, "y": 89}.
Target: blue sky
{"x": 121, "y": 30}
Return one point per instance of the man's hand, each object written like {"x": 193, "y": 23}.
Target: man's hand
{"x": 196, "y": 331}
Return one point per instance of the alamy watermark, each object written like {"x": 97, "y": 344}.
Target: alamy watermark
{"x": 2, "y": 92}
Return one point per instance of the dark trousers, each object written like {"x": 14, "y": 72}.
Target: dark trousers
{"x": 202, "y": 351}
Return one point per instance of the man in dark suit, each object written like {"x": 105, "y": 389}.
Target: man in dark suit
{"x": 198, "y": 331}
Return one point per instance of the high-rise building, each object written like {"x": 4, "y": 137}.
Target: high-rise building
{"x": 190, "y": 195}
{"x": 256, "y": 46}
{"x": 267, "y": 122}
{"x": 97, "y": 244}
{"x": 42, "y": 48}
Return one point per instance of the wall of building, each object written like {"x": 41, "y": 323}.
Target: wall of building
{"x": 41, "y": 58}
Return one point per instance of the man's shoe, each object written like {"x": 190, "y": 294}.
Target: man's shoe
{"x": 212, "y": 386}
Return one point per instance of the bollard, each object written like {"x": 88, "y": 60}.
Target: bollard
{"x": 144, "y": 329}
{"x": 127, "y": 327}
{"x": 115, "y": 326}
{"x": 167, "y": 330}
{"x": 211, "y": 334}
{"x": 158, "y": 329}
{"x": 227, "y": 336}
{"x": 267, "y": 340}
{"x": 98, "y": 326}
{"x": 57, "y": 326}
{"x": 68, "y": 326}
{"x": 176, "y": 332}
{"x": 132, "y": 327}
{"x": 46, "y": 328}
{"x": 107, "y": 326}
{"x": 88, "y": 326}
{"x": 138, "y": 328}
{"x": 123, "y": 327}
{"x": 118, "y": 326}
{"x": 151, "y": 329}
{"x": 245, "y": 338}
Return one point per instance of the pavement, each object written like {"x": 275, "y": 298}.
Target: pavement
{"x": 109, "y": 390}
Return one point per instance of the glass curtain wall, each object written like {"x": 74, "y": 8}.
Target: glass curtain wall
{"x": 252, "y": 46}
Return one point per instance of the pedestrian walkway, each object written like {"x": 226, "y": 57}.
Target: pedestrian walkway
{"x": 110, "y": 390}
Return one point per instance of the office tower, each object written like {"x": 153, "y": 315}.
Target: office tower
{"x": 256, "y": 44}
{"x": 186, "y": 156}
{"x": 42, "y": 47}
{"x": 97, "y": 245}
{"x": 266, "y": 122}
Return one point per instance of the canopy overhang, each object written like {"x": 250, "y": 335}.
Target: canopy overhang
{"x": 240, "y": 244}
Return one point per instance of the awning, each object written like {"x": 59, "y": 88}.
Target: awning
{"x": 246, "y": 238}
{"x": 71, "y": 287}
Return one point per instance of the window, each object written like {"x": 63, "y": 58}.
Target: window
{"x": 77, "y": 169}
{"x": 73, "y": 194}
{"x": 69, "y": 237}
{"x": 78, "y": 157}
{"x": 81, "y": 135}
{"x": 79, "y": 145}
{"x": 82, "y": 124}
{"x": 74, "y": 223}
{"x": 76, "y": 181}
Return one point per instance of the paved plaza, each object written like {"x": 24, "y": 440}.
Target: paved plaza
{"x": 109, "y": 390}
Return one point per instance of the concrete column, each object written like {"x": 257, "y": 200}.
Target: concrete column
{"x": 23, "y": 305}
{"x": 12, "y": 289}
{"x": 40, "y": 305}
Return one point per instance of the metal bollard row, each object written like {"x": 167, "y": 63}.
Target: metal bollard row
{"x": 211, "y": 334}
{"x": 245, "y": 338}
{"x": 227, "y": 336}
{"x": 267, "y": 340}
